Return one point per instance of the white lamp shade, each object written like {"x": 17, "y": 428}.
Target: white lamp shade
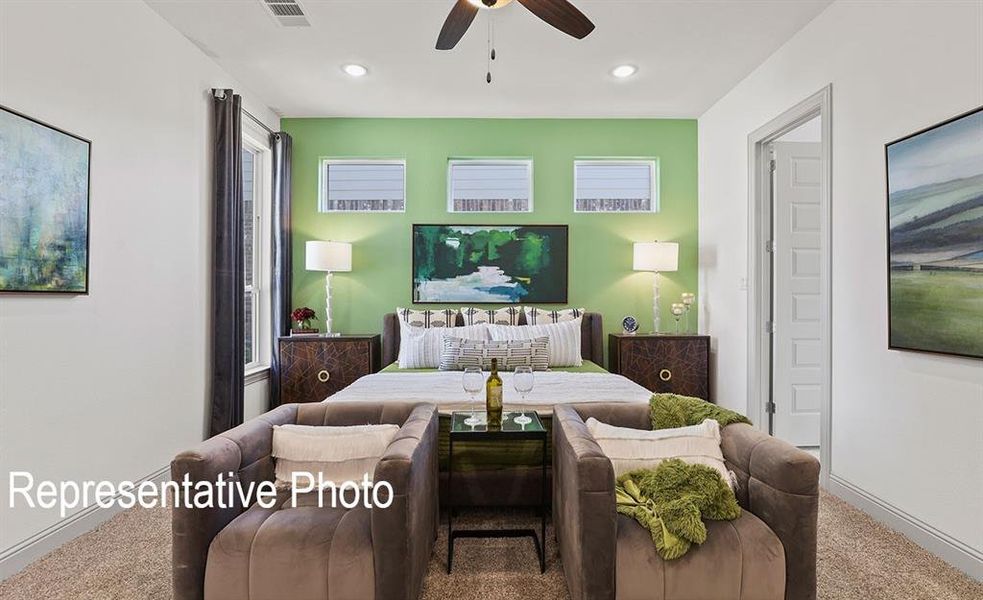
{"x": 328, "y": 256}
{"x": 660, "y": 257}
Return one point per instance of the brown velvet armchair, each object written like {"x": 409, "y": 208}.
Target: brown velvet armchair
{"x": 769, "y": 553}
{"x": 310, "y": 552}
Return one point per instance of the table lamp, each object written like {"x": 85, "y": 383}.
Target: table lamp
{"x": 658, "y": 257}
{"x": 329, "y": 257}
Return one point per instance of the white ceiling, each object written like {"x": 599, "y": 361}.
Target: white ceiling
{"x": 689, "y": 54}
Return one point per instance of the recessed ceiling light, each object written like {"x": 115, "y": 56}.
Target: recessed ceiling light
{"x": 355, "y": 70}
{"x": 624, "y": 71}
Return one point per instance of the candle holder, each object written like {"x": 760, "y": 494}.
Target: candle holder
{"x": 678, "y": 309}
{"x": 688, "y": 300}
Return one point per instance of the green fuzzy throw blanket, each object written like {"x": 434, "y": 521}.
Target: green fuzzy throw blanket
{"x": 673, "y": 410}
{"x": 672, "y": 500}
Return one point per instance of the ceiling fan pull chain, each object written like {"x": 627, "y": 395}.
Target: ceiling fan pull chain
{"x": 492, "y": 22}
{"x": 490, "y": 52}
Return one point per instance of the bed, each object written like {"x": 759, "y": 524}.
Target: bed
{"x": 486, "y": 473}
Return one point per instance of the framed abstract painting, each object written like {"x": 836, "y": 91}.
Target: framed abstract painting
{"x": 490, "y": 264}
{"x": 935, "y": 238}
{"x": 44, "y": 207}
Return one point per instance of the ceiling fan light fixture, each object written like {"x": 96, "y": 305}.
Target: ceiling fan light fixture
{"x": 355, "y": 70}
{"x": 490, "y": 3}
{"x": 624, "y": 71}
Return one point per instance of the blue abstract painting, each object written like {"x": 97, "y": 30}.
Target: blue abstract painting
{"x": 44, "y": 207}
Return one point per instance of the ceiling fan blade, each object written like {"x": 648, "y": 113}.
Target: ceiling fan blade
{"x": 562, "y": 15}
{"x": 456, "y": 25}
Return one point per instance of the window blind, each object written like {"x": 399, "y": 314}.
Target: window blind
{"x": 615, "y": 186}
{"x": 363, "y": 186}
{"x": 500, "y": 186}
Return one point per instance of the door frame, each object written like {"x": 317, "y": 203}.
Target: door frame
{"x": 759, "y": 262}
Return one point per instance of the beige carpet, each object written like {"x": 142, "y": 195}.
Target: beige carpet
{"x": 129, "y": 558}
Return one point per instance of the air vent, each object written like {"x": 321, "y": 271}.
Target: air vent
{"x": 288, "y": 13}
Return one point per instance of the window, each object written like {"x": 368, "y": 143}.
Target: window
{"x": 478, "y": 185}
{"x": 256, "y": 238}
{"x": 362, "y": 185}
{"x": 616, "y": 185}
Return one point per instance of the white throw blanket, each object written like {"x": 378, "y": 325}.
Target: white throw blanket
{"x": 445, "y": 389}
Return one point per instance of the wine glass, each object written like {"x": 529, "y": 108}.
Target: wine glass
{"x": 473, "y": 380}
{"x": 523, "y": 380}
{"x": 678, "y": 309}
{"x": 688, "y": 299}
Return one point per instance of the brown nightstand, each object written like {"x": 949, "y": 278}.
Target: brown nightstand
{"x": 679, "y": 364}
{"x": 315, "y": 367}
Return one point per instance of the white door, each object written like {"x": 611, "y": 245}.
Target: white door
{"x": 797, "y": 293}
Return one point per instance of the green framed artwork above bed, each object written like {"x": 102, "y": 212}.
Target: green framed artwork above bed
{"x": 935, "y": 238}
{"x": 490, "y": 264}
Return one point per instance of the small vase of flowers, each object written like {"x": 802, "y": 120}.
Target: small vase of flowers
{"x": 303, "y": 317}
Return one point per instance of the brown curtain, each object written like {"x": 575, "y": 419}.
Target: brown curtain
{"x": 282, "y": 146}
{"x": 228, "y": 286}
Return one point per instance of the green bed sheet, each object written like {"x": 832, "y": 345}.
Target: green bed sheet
{"x": 491, "y": 456}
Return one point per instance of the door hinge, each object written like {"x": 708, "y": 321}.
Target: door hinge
{"x": 770, "y": 408}
{"x": 770, "y": 246}
{"x": 770, "y": 326}
{"x": 773, "y": 165}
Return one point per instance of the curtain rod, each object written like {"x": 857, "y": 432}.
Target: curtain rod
{"x": 220, "y": 94}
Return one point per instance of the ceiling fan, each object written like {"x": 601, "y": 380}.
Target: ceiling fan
{"x": 558, "y": 13}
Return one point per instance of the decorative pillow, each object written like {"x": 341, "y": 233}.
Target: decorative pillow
{"x": 335, "y": 453}
{"x": 503, "y": 316}
{"x": 564, "y": 338}
{"x": 630, "y": 449}
{"x": 538, "y": 316}
{"x": 446, "y": 317}
{"x": 420, "y": 347}
{"x": 460, "y": 353}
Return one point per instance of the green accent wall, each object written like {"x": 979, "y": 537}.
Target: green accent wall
{"x": 601, "y": 276}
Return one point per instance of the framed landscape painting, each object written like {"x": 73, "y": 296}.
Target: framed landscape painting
{"x": 935, "y": 238}
{"x": 490, "y": 264}
{"x": 44, "y": 207}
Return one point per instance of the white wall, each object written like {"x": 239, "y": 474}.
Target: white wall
{"x": 906, "y": 427}
{"x": 112, "y": 385}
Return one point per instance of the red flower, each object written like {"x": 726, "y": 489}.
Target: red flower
{"x": 303, "y": 314}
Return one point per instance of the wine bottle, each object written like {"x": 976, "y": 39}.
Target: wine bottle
{"x": 493, "y": 397}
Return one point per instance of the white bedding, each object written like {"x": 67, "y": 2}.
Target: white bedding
{"x": 445, "y": 390}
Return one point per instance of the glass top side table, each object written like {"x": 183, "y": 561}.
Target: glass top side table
{"x": 516, "y": 425}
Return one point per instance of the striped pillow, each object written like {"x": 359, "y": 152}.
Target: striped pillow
{"x": 460, "y": 353}
{"x": 564, "y": 339}
{"x": 446, "y": 317}
{"x": 538, "y": 316}
{"x": 630, "y": 449}
{"x": 420, "y": 347}
{"x": 503, "y": 316}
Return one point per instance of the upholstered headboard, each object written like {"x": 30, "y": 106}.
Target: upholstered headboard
{"x": 591, "y": 338}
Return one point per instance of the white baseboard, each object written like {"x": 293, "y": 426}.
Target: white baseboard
{"x": 966, "y": 559}
{"x": 24, "y": 553}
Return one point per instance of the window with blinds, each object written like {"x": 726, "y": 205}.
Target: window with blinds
{"x": 362, "y": 186}
{"x": 479, "y": 185}
{"x": 616, "y": 185}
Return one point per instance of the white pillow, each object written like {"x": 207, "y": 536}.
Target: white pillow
{"x": 446, "y": 317}
{"x": 540, "y": 316}
{"x": 631, "y": 449}
{"x": 564, "y": 339}
{"x": 336, "y": 453}
{"x": 420, "y": 348}
{"x": 503, "y": 316}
